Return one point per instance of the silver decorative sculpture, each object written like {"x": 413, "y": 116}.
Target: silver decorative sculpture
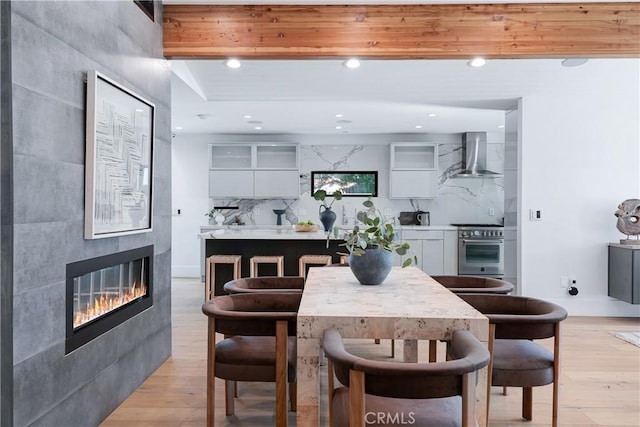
{"x": 628, "y": 214}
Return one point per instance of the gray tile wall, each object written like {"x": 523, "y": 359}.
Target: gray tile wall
{"x": 53, "y": 45}
{"x": 6, "y": 221}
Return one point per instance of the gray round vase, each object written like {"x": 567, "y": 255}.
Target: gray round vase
{"x": 372, "y": 267}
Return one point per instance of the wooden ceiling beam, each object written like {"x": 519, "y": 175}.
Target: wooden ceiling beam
{"x": 459, "y": 31}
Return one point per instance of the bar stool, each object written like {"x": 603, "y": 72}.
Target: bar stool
{"x": 210, "y": 271}
{"x": 312, "y": 260}
{"x": 278, "y": 260}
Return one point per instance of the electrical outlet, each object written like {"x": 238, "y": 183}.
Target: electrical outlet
{"x": 535, "y": 214}
{"x": 564, "y": 282}
{"x": 177, "y": 212}
{"x": 492, "y": 212}
{"x": 388, "y": 212}
{"x": 257, "y": 211}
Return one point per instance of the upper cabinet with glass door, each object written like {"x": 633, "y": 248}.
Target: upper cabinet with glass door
{"x": 413, "y": 170}
{"x": 260, "y": 170}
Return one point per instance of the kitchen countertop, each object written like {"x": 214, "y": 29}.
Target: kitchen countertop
{"x": 625, "y": 246}
{"x": 286, "y": 231}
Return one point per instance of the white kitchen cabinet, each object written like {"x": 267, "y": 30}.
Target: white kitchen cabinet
{"x": 436, "y": 250}
{"x": 277, "y": 184}
{"x": 413, "y": 171}
{"x": 433, "y": 256}
{"x": 231, "y": 183}
{"x": 261, "y": 170}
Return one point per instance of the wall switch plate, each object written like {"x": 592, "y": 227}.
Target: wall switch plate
{"x": 388, "y": 212}
{"x": 535, "y": 214}
{"x": 492, "y": 212}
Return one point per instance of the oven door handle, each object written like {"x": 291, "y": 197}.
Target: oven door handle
{"x": 483, "y": 241}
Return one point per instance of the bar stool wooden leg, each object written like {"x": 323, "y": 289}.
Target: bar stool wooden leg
{"x": 311, "y": 260}
{"x": 278, "y": 260}
{"x": 210, "y": 272}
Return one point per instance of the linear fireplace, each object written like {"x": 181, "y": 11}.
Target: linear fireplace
{"x": 103, "y": 292}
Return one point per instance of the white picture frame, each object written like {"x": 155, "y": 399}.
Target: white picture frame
{"x": 119, "y": 160}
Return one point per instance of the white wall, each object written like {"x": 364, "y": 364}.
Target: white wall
{"x": 578, "y": 159}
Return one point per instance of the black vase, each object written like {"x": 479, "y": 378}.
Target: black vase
{"x": 372, "y": 267}
{"x": 327, "y": 217}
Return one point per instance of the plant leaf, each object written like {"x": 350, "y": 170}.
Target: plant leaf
{"x": 406, "y": 263}
{"x": 368, "y": 203}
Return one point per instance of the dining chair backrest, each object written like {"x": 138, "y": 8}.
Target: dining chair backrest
{"x": 409, "y": 380}
{"x": 253, "y": 314}
{"x": 265, "y": 284}
{"x": 474, "y": 284}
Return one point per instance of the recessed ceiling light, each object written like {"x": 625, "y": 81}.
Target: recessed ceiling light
{"x": 431, "y": 115}
{"x": 500, "y": 126}
{"x": 178, "y": 128}
{"x": 203, "y": 116}
{"x": 477, "y": 62}
{"x": 246, "y": 116}
{"x": 418, "y": 126}
{"x": 258, "y": 127}
{"x": 344, "y": 121}
{"x": 233, "y": 63}
{"x": 574, "y": 62}
{"x": 351, "y": 63}
{"x": 338, "y": 127}
{"x": 254, "y": 122}
{"x": 339, "y": 115}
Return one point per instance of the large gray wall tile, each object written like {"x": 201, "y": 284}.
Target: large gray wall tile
{"x": 54, "y": 44}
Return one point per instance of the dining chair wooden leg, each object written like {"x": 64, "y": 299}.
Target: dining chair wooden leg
{"x": 393, "y": 348}
{"x": 556, "y": 376}
{"x": 235, "y": 389}
{"x": 229, "y": 400}
{"x": 433, "y": 351}
{"x": 504, "y": 390}
{"x": 356, "y": 399}
{"x": 330, "y": 387}
{"x": 281, "y": 373}
{"x": 293, "y": 396}
{"x": 211, "y": 374}
{"x": 527, "y": 403}
{"x": 490, "y": 345}
{"x": 377, "y": 340}
{"x": 468, "y": 400}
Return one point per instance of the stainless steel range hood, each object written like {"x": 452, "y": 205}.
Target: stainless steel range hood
{"x": 474, "y": 157}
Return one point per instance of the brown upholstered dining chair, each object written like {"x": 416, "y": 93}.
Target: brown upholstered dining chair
{"x": 422, "y": 394}
{"x": 516, "y": 360}
{"x": 265, "y": 284}
{"x": 469, "y": 285}
{"x": 259, "y": 345}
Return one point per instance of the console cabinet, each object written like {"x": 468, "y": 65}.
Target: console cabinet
{"x": 624, "y": 272}
{"x": 268, "y": 171}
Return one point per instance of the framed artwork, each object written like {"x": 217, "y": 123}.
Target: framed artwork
{"x": 351, "y": 184}
{"x": 119, "y": 160}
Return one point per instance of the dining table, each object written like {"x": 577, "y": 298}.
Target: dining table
{"x": 408, "y": 305}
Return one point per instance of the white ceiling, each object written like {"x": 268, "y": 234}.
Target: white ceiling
{"x": 382, "y": 96}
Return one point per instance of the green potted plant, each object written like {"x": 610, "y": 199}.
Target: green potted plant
{"x": 327, "y": 216}
{"x": 371, "y": 246}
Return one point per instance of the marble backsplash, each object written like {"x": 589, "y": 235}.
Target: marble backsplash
{"x": 460, "y": 200}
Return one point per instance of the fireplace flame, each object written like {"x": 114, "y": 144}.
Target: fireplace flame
{"x": 106, "y": 303}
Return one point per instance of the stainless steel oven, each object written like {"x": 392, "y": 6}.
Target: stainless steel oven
{"x": 480, "y": 250}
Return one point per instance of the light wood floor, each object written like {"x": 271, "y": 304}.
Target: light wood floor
{"x": 600, "y": 378}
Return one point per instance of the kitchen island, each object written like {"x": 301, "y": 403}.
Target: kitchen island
{"x": 249, "y": 241}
